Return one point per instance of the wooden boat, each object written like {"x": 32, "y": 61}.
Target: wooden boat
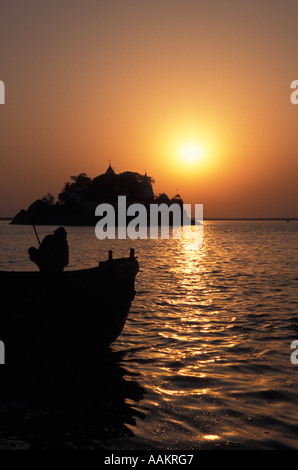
{"x": 74, "y": 312}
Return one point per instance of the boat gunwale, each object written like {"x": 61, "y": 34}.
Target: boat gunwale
{"x": 66, "y": 273}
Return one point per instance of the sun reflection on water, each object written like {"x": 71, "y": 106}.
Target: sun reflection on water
{"x": 211, "y": 437}
{"x": 196, "y": 330}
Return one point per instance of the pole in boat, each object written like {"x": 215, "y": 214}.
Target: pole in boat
{"x": 36, "y": 234}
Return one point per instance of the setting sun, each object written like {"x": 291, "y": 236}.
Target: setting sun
{"x": 185, "y": 154}
{"x": 191, "y": 153}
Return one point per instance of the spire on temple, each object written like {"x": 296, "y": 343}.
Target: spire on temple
{"x": 110, "y": 170}
{"x": 147, "y": 187}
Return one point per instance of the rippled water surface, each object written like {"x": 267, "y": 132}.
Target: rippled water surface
{"x": 204, "y": 361}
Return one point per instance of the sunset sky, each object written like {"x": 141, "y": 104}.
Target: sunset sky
{"x": 196, "y": 92}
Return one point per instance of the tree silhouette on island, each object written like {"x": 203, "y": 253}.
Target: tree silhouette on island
{"x": 81, "y": 195}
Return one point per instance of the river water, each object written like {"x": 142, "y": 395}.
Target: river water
{"x": 204, "y": 360}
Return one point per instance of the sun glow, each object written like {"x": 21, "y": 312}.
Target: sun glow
{"x": 191, "y": 153}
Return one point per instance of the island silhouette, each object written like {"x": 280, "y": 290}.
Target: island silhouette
{"x": 81, "y": 195}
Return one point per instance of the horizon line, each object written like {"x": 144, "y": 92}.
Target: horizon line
{"x": 218, "y": 218}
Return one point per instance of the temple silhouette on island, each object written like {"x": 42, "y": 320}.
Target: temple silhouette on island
{"x": 79, "y": 198}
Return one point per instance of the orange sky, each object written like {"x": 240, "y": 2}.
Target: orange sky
{"x": 137, "y": 82}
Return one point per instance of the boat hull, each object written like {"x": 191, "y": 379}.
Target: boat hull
{"x": 74, "y": 312}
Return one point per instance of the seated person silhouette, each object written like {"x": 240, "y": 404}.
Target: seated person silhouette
{"x": 52, "y": 255}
